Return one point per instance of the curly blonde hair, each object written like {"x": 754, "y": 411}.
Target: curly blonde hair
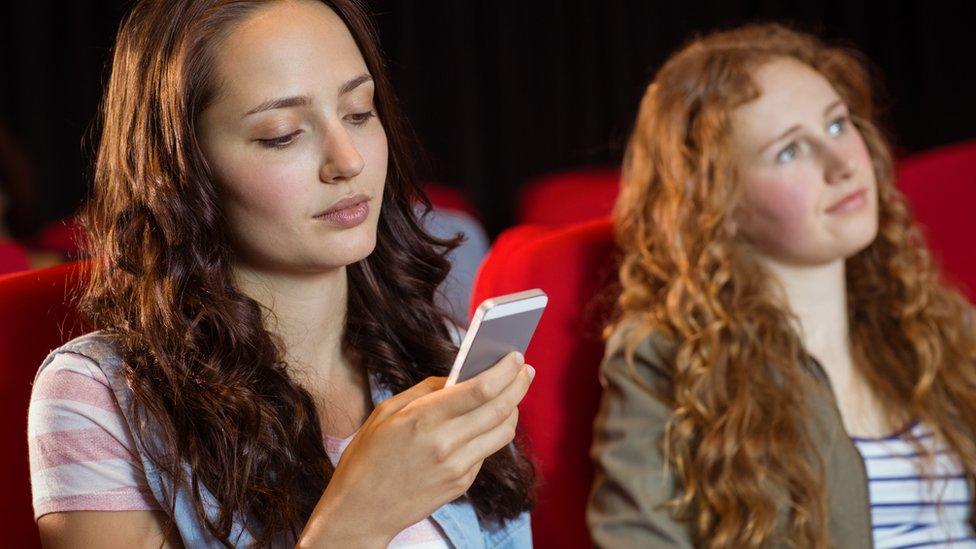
{"x": 738, "y": 439}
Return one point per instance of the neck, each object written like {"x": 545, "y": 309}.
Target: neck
{"x": 817, "y": 297}
{"x": 307, "y": 312}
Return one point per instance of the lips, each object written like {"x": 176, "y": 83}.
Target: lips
{"x": 849, "y": 202}
{"x": 346, "y": 212}
{"x": 345, "y": 203}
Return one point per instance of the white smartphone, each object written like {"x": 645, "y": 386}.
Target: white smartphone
{"x": 500, "y": 326}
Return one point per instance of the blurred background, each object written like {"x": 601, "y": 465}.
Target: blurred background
{"x": 501, "y": 93}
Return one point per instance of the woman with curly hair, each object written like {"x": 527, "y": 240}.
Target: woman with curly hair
{"x": 787, "y": 368}
{"x": 269, "y": 363}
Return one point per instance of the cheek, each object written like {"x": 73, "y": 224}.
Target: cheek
{"x": 260, "y": 189}
{"x": 374, "y": 149}
{"x": 777, "y": 207}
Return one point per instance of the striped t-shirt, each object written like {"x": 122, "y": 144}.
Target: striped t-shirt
{"x": 907, "y": 509}
{"x": 83, "y": 456}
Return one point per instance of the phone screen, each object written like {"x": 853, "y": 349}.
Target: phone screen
{"x": 496, "y": 338}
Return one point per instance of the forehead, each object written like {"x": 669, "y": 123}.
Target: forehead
{"x": 791, "y": 93}
{"x": 298, "y": 46}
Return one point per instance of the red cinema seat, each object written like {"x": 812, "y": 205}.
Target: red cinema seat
{"x": 575, "y": 266}
{"x": 37, "y": 314}
{"x": 941, "y": 186}
{"x": 64, "y": 236}
{"x": 569, "y": 197}
{"x": 13, "y": 257}
{"x": 493, "y": 265}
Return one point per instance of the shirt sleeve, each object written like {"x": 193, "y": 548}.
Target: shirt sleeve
{"x": 631, "y": 481}
{"x": 82, "y": 453}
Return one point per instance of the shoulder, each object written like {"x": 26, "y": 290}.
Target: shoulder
{"x": 71, "y": 395}
{"x": 640, "y": 355}
{"x": 97, "y": 346}
{"x": 82, "y": 453}
{"x": 95, "y": 352}
{"x": 70, "y": 379}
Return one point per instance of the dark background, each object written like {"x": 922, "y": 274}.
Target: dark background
{"x": 500, "y": 92}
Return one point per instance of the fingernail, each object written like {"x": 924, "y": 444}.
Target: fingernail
{"x": 531, "y": 372}
{"x": 519, "y": 358}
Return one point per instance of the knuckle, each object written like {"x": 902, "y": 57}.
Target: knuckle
{"x": 483, "y": 391}
{"x": 419, "y": 423}
{"x": 455, "y": 471}
{"x": 499, "y": 413}
{"x": 441, "y": 452}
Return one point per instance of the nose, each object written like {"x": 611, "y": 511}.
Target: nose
{"x": 839, "y": 164}
{"x": 341, "y": 160}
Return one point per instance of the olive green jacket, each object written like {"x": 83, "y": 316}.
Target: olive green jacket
{"x": 631, "y": 482}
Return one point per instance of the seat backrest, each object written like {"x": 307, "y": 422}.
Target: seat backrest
{"x": 575, "y": 266}
{"x": 13, "y": 257}
{"x": 941, "y": 186}
{"x": 569, "y": 197}
{"x": 37, "y": 314}
{"x": 64, "y": 236}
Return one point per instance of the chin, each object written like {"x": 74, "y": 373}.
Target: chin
{"x": 349, "y": 251}
{"x": 857, "y": 243}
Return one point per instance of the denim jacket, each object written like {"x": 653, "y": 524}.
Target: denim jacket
{"x": 457, "y": 519}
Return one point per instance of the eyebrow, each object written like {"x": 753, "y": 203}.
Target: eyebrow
{"x": 281, "y": 103}
{"x": 796, "y": 127}
{"x": 354, "y": 83}
{"x": 304, "y": 100}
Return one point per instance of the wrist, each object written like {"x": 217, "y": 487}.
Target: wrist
{"x": 335, "y": 522}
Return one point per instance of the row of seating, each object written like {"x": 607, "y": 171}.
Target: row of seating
{"x": 573, "y": 263}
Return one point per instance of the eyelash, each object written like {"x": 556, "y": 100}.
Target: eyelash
{"x": 356, "y": 119}
{"x": 360, "y": 118}
{"x": 279, "y": 142}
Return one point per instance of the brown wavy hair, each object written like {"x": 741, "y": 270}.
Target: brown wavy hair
{"x": 211, "y": 390}
{"x": 737, "y": 439}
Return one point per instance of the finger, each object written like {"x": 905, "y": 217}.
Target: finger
{"x": 489, "y": 442}
{"x": 397, "y": 402}
{"x": 469, "y": 394}
{"x": 492, "y": 413}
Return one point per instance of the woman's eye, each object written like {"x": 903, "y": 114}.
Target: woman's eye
{"x": 279, "y": 142}
{"x": 360, "y": 118}
{"x": 788, "y": 153}
{"x": 837, "y": 126}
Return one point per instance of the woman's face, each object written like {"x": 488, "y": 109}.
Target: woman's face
{"x": 809, "y": 188}
{"x": 293, "y": 139}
